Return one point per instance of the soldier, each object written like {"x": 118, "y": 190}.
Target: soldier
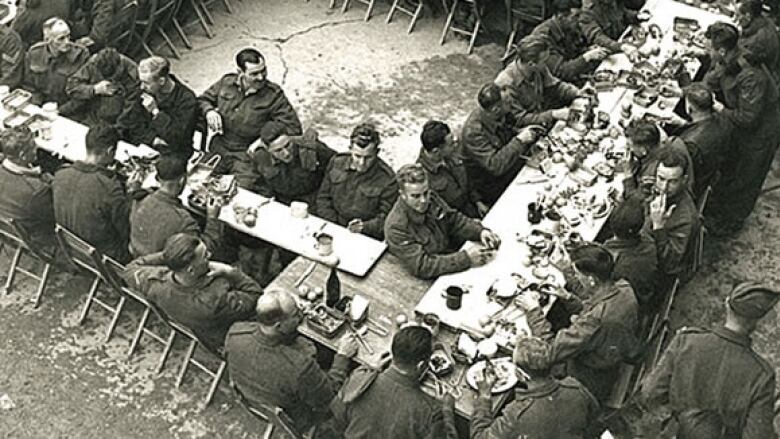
{"x": 604, "y": 23}
{"x": 359, "y": 188}
{"x": 107, "y": 85}
{"x": 100, "y": 22}
{"x": 165, "y": 113}
{"x": 271, "y": 364}
{"x": 239, "y": 104}
{"x": 759, "y": 35}
{"x": 285, "y": 167}
{"x": 537, "y": 407}
{"x": 29, "y": 23}
{"x": 12, "y": 50}
{"x": 493, "y": 154}
{"x": 717, "y": 372}
{"x": 205, "y": 296}
{"x": 535, "y": 96}
{"x": 425, "y": 233}
{"x": 50, "y": 63}
{"x": 447, "y": 174}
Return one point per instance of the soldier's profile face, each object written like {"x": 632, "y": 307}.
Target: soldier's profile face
{"x": 149, "y": 82}
{"x": 254, "y": 75}
{"x": 281, "y": 149}
{"x": 59, "y": 42}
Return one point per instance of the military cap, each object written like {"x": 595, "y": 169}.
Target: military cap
{"x": 533, "y": 353}
{"x": 753, "y": 299}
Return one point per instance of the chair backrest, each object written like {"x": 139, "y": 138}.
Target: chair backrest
{"x": 82, "y": 255}
{"x": 9, "y": 232}
{"x": 124, "y": 26}
{"x": 187, "y": 332}
{"x": 268, "y": 413}
{"x": 703, "y": 199}
{"x": 8, "y": 224}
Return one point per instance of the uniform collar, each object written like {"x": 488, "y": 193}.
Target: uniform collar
{"x": 90, "y": 167}
{"x": 435, "y": 210}
{"x": 755, "y": 25}
{"x": 405, "y": 380}
{"x": 430, "y": 166}
{"x": 728, "y": 334}
{"x": 538, "y": 388}
{"x": 621, "y": 243}
{"x": 21, "y": 170}
{"x": 167, "y": 198}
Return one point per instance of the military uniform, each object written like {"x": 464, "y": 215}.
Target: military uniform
{"x": 175, "y": 123}
{"x": 161, "y": 215}
{"x": 635, "y": 260}
{"x": 536, "y": 412}
{"x": 45, "y": 74}
{"x": 492, "y": 154}
{"x": 718, "y": 371}
{"x": 29, "y": 23}
{"x": 761, "y": 38}
{"x": 450, "y": 181}
{"x": 605, "y": 22}
{"x": 390, "y": 405}
{"x": 208, "y": 308}
{"x": 567, "y": 46}
{"x": 295, "y": 181}
{"x": 271, "y": 371}
{"x": 91, "y": 202}
{"x": 599, "y": 340}
{"x": 101, "y": 21}
{"x": 26, "y": 198}
{"x": 94, "y": 108}
{"x": 244, "y": 114}
{"x": 427, "y": 243}
{"x": 346, "y": 194}
{"x": 707, "y": 142}
{"x": 672, "y": 242}
{"x": 11, "y": 58}
{"x": 533, "y": 95}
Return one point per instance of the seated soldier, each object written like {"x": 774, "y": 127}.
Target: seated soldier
{"x": 634, "y": 254}
{"x": 368, "y": 396}
{"x": 106, "y": 86}
{"x": 425, "y": 233}
{"x": 643, "y": 140}
{"x": 12, "y": 50}
{"x": 359, "y": 188}
{"x": 672, "y": 217}
{"x": 50, "y": 63}
{"x": 535, "y": 96}
{"x": 271, "y": 364}
{"x": 604, "y": 22}
{"x": 165, "y": 113}
{"x": 203, "y": 295}
{"x": 90, "y": 200}
{"x": 161, "y": 214}
{"x": 570, "y": 58}
{"x": 28, "y": 23}
{"x": 99, "y": 22}
{"x": 537, "y": 406}
{"x": 287, "y": 168}
{"x": 492, "y": 153}
{"x": 239, "y": 104}
{"x": 26, "y": 195}
{"x": 440, "y": 157}
{"x": 604, "y": 335}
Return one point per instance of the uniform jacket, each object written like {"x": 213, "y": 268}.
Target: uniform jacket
{"x": 390, "y": 405}
{"x": 427, "y": 243}
{"x": 102, "y": 22}
{"x": 46, "y": 75}
{"x": 296, "y": 181}
{"x": 91, "y": 202}
{"x": 450, "y": 180}
{"x": 159, "y": 216}
{"x": 346, "y": 195}
{"x": 672, "y": 241}
{"x": 11, "y": 58}
{"x": 533, "y": 95}
{"x": 636, "y": 261}
{"x": 26, "y": 198}
{"x": 536, "y": 412}
{"x": 567, "y": 46}
{"x": 175, "y": 124}
{"x": 268, "y": 371}
{"x": 208, "y": 308}
{"x": 708, "y": 142}
{"x": 761, "y": 38}
{"x": 716, "y": 370}
{"x": 29, "y": 23}
{"x": 605, "y": 22}
{"x": 94, "y": 108}
{"x": 647, "y": 166}
{"x": 491, "y": 154}
{"x": 244, "y": 115}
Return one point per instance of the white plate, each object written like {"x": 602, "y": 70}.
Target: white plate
{"x": 505, "y": 370}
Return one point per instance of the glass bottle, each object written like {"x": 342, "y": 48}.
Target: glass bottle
{"x": 332, "y": 289}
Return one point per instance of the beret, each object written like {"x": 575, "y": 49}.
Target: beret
{"x": 753, "y": 299}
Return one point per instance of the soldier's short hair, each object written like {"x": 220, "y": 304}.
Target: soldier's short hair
{"x": 411, "y": 174}
{"x": 489, "y": 96}
{"x": 753, "y": 7}
{"x": 365, "y": 135}
{"x": 157, "y": 66}
{"x": 593, "y": 260}
{"x": 531, "y": 47}
{"x": 411, "y": 345}
{"x": 628, "y": 218}
{"x": 271, "y": 131}
{"x": 248, "y": 55}
{"x": 101, "y": 138}
{"x": 171, "y": 167}
{"x": 179, "y": 250}
{"x": 17, "y": 142}
{"x": 533, "y": 355}
{"x": 53, "y": 27}
{"x": 643, "y": 132}
{"x": 269, "y": 307}
{"x": 699, "y": 96}
{"x": 106, "y": 61}
{"x": 722, "y": 35}
{"x": 673, "y": 158}
{"x": 434, "y": 134}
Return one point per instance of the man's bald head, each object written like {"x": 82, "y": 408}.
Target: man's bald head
{"x": 55, "y": 27}
{"x": 275, "y": 306}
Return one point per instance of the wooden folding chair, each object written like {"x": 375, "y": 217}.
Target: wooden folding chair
{"x": 86, "y": 259}
{"x": 524, "y": 12}
{"x": 369, "y": 3}
{"x": 189, "y": 359}
{"x": 124, "y": 36}
{"x": 449, "y": 26}
{"x": 159, "y": 14}
{"x": 331, "y": 5}
{"x": 273, "y": 416}
{"x": 414, "y": 14}
{"x": 114, "y": 279}
{"x": 12, "y": 233}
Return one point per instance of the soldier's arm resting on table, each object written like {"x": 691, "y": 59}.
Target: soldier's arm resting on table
{"x": 496, "y": 161}
{"x": 420, "y": 263}
{"x": 594, "y": 34}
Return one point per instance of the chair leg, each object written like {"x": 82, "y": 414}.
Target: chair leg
{"x": 115, "y": 318}
{"x": 228, "y": 6}
{"x": 42, "y": 285}
{"x": 269, "y": 431}
{"x": 182, "y": 35}
{"x": 392, "y": 11}
{"x": 474, "y": 36}
{"x": 207, "y": 14}
{"x": 416, "y": 16}
{"x": 186, "y": 363}
{"x": 202, "y": 18}
{"x": 215, "y": 382}
{"x": 369, "y": 10}
{"x": 166, "y": 351}
{"x": 169, "y": 43}
{"x": 332, "y": 4}
{"x": 91, "y": 296}
{"x": 138, "y": 333}
{"x": 148, "y": 49}
{"x": 12, "y": 270}
{"x": 448, "y": 23}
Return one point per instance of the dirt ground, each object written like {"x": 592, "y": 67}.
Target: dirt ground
{"x": 66, "y": 382}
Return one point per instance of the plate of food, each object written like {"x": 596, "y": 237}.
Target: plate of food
{"x": 324, "y": 320}
{"x": 504, "y": 369}
{"x": 441, "y": 362}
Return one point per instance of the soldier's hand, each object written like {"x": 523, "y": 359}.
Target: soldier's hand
{"x": 479, "y": 255}
{"x": 217, "y": 269}
{"x": 214, "y": 121}
{"x": 356, "y": 226}
{"x": 717, "y": 105}
{"x": 85, "y": 41}
{"x": 486, "y": 382}
{"x": 527, "y": 301}
{"x": 348, "y": 346}
{"x": 104, "y": 88}
{"x": 595, "y": 54}
{"x": 213, "y": 207}
{"x": 529, "y": 134}
{"x": 482, "y": 209}
{"x": 560, "y": 114}
{"x": 149, "y": 103}
{"x": 490, "y": 239}
{"x": 255, "y": 146}
{"x": 659, "y": 213}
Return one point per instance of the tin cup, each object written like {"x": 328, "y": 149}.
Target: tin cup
{"x": 324, "y": 244}
{"x": 432, "y": 322}
{"x": 299, "y": 209}
{"x": 454, "y": 297}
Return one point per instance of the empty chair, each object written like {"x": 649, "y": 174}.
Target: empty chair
{"x": 13, "y": 234}
{"x": 158, "y": 14}
{"x": 369, "y": 3}
{"x": 415, "y": 14}
{"x": 524, "y": 12}
{"x": 470, "y": 33}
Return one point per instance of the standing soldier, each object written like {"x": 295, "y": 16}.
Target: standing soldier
{"x": 713, "y": 377}
{"x": 11, "y": 57}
